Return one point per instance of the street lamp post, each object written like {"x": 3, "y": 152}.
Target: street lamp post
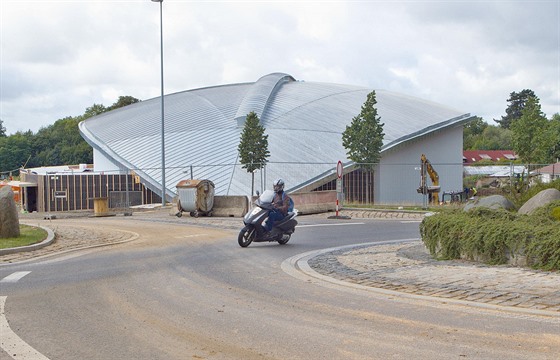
{"x": 162, "y": 112}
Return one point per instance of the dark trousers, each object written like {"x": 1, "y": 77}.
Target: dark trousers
{"x": 273, "y": 217}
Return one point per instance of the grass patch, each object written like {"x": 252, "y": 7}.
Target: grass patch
{"x": 28, "y": 235}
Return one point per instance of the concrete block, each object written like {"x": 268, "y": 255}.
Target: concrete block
{"x": 315, "y": 202}
{"x": 230, "y": 206}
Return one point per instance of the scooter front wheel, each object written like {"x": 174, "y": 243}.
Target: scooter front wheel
{"x": 284, "y": 240}
{"x": 246, "y": 236}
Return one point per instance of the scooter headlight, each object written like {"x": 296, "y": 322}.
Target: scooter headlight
{"x": 255, "y": 211}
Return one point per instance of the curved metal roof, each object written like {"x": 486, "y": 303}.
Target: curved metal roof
{"x": 304, "y": 122}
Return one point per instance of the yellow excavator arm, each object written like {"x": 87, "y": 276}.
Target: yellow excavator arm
{"x": 424, "y": 188}
{"x": 431, "y": 171}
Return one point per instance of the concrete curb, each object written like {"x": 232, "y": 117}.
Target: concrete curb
{"x": 49, "y": 240}
{"x": 298, "y": 267}
{"x": 62, "y": 252}
{"x": 381, "y": 210}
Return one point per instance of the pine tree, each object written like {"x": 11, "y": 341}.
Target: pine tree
{"x": 517, "y": 101}
{"x": 253, "y": 146}
{"x": 363, "y": 138}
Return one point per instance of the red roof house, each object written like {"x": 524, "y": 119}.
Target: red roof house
{"x": 473, "y": 156}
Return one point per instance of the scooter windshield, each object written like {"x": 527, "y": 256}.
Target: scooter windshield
{"x": 266, "y": 197}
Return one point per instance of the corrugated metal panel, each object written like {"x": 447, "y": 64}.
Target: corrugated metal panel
{"x": 304, "y": 121}
{"x": 259, "y": 94}
{"x": 494, "y": 170}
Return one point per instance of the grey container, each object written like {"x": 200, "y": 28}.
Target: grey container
{"x": 195, "y": 197}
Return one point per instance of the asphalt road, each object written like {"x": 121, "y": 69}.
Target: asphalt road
{"x": 179, "y": 291}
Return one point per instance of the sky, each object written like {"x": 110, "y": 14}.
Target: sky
{"x": 57, "y": 58}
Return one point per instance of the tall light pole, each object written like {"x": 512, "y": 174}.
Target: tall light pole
{"x": 162, "y": 112}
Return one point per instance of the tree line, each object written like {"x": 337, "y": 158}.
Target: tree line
{"x": 524, "y": 129}
{"x": 56, "y": 144}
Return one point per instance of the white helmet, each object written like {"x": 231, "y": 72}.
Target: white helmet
{"x": 278, "y": 185}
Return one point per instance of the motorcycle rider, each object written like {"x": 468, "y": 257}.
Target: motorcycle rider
{"x": 281, "y": 203}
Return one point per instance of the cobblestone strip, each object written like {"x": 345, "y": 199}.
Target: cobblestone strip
{"x": 383, "y": 214}
{"x": 72, "y": 238}
{"x": 408, "y": 268}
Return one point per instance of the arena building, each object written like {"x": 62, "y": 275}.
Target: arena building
{"x": 304, "y": 122}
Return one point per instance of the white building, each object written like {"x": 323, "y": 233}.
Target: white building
{"x": 548, "y": 173}
{"x": 304, "y": 122}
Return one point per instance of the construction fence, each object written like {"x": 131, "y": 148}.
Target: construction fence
{"x": 357, "y": 185}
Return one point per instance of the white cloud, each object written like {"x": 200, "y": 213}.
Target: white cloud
{"x": 60, "y": 57}
{"x": 311, "y": 19}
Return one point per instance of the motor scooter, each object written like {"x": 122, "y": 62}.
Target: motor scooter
{"x": 254, "y": 221}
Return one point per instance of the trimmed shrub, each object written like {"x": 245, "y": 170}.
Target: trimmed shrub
{"x": 556, "y": 213}
{"x": 521, "y": 198}
{"x": 494, "y": 236}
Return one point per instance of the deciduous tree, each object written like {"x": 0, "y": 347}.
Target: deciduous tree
{"x": 122, "y": 102}
{"x": 493, "y": 138}
{"x": 472, "y": 131}
{"x": 530, "y": 140}
{"x": 14, "y": 151}
{"x": 93, "y": 110}
{"x": 554, "y": 130}
{"x": 56, "y": 144}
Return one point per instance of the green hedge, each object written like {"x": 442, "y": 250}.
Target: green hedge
{"x": 493, "y": 235}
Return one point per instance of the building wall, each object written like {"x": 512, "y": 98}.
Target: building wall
{"x": 69, "y": 192}
{"x": 102, "y": 163}
{"x": 398, "y": 175}
{"x": 396, "y": 180}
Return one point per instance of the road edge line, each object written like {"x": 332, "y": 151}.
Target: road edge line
{"x": 12, "y": 344}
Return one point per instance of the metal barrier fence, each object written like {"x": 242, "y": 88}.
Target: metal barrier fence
{"x": 358, "y": 185}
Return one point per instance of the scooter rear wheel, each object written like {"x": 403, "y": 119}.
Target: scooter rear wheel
{"x": 246, "y": 236}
